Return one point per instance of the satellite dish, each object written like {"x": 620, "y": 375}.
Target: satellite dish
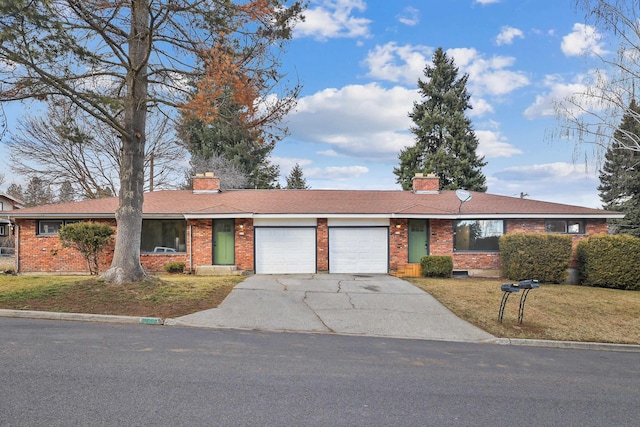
{"x": 463, "y": 195}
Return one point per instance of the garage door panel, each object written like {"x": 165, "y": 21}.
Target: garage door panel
{"x": 359, "y": 250}
{"x": 284, "y": 250}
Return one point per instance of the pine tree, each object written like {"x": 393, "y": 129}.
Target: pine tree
{"x": 67, "y": 193}
{"x": 244, "y": 145}
{"x": 296, "y": 179}
{"x": 445, "y": 141}
{"x": 37, "y": 193}
{"x": 620, "y": 175}
{"x": 15, "y": 191}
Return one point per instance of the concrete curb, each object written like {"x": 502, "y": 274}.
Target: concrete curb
{"x": 568, "y": 344}
{"x": 104, "y": 318}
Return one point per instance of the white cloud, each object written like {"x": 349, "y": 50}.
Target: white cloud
{"x": 560, "y": 91}
{"x": 398, "y": 64}
{"x": 541, "y": 182}
{"x": 493, "y": 144}
{"x": 410, "y": 16}
{"x": 480, "y": 107}
{"x": 334, "y": 19}
{"x": 584, "y": 39}
{"x": 406, "y": 64}
{"x": 487, "y": 1}
{"x": 488, "y": 76}
{"x": 507, "y": 34}
{"x": 367, "y": 121}
{"x": 328, "y": 153}
{"x": 287, "y": 163}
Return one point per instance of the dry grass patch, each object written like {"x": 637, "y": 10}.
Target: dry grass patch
{"x": 552, "y": 312}
{"x": 165, "y": 297}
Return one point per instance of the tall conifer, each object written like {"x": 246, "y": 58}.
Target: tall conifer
{"x": 620, "y": 174}
{"x": 445, "y": 141}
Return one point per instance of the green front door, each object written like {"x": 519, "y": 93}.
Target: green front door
{"x": 223, "y": 242}
{"x": 418, "y": 240}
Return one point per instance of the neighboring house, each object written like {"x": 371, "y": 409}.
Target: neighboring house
{"x": 308, "y": 231}
{"x": 7, "y": 204}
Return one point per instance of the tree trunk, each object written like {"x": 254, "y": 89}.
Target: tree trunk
{"x": 126, "y": 266}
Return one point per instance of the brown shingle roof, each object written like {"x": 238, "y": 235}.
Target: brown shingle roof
{"x": 178, "y": 203}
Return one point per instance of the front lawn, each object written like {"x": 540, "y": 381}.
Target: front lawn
{"x": 552, "y": 312}
{"x": 170, "y": 296}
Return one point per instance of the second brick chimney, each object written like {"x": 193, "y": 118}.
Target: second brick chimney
{"x": 206, "y": 183}
{"x": 429, "y": 184}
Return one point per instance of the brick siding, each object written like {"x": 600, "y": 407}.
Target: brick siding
{"x": 322, "y": 236}
{"x": 40, "y": 254}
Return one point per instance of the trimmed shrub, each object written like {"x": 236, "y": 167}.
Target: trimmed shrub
{"x": 436, "y": 266}
{"x": 174, "y": 267}
{"x": 544, "y": 257}
{"x": 610, "y": 261}
{"x": 88, "y": 238}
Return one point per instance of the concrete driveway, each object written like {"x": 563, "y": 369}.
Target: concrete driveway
{"x": 355, "y": 304}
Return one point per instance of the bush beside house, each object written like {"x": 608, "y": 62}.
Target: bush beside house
{"x": 436, "y": 266}
{"x": 544, "y": 257}
{"x": 88, "y": 238}
{"x": 610, "y": 261}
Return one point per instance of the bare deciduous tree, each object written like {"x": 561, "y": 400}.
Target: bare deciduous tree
{"x": 116, "y": 59}
{"x": 592, "y": 115}
{"x": 231, "y": 177}
{"x": 70, "y": 146}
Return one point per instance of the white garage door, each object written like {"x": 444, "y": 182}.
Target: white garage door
{"x": 285, "y": 250}
{"x": 359, "y": 250}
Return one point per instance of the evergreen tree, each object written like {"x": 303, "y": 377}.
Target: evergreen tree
{"x": 296, "y": 179}
{"x": 231, "y": 136}
{"x": 37, "y": 193}
{"x": 620, "y": 175}
{"x": 15, "y": 191}
{"x": 67, "y": 193}
{"x": 445, "y": 141}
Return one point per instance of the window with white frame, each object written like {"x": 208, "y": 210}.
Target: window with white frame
{"x": 564, "y": 226}
{"x": 477, "y": 235}
{"x": 3, "y": 230}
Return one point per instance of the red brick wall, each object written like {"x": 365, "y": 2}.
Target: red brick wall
{"x": 322, "y": 257}
{"x": 398, "y": 243}
{"x": 45, "y": 254}
{"x": 244, "y": 244}
{"x": 426, "y": 183}
{"x": 200, "y": 241}
{"x": 440, "y": 237}
{"x": 156, "y": 262}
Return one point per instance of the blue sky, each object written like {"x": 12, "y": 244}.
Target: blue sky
{"x": 359, "y": 62}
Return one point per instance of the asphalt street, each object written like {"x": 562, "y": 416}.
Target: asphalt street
{"x": 58, "y": 373}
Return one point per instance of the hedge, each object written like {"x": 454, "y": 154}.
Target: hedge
{"x": 543, "y": 257}
{"x": 436, "y": 266}
{"x": 610, "y": 261}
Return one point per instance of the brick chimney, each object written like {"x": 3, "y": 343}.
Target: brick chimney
{"x": 206, "y": 183}
{"x": 429, "y": 184}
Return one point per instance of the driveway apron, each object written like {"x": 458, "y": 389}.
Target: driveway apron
{"x": 351, "y": 304}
